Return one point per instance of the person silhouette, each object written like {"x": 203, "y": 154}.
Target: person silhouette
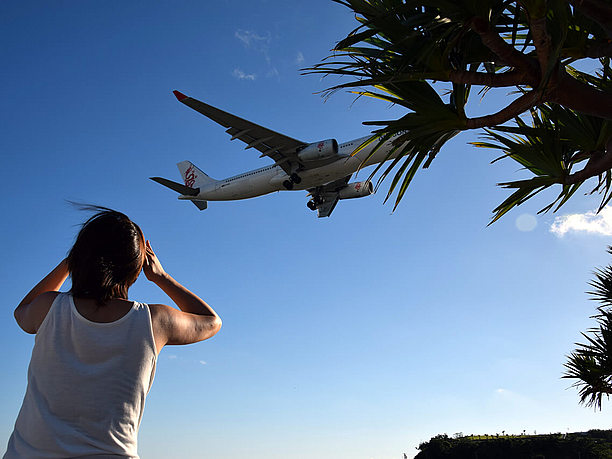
{"x": 95, "y": 352}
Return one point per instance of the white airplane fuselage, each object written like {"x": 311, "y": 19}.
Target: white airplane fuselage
{"x": 269, "y": 179}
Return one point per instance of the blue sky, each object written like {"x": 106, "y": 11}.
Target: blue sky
{"x": 357, "y": 336}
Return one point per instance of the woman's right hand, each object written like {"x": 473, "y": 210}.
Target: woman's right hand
{"x": 152, "y": 267}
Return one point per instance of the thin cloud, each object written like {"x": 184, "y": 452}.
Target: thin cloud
{"x": 256, "y": 42}
{"x": 589, "y": 222}
{"x": 252, "y": 39}
{"x": 202, "y": 362}
{"x": 299, "y": 59}
{"x": 237, "y": 73}
{"x": 514, "y": 399}
{"x": 273, "y": 72}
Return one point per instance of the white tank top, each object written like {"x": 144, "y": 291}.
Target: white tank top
{"x": 87, "y": 384}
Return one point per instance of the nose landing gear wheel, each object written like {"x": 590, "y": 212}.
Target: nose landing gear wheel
{"x": 288, "y": 184}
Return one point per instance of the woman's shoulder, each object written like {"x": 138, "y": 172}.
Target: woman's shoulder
{"x": 48, "y": 297}
{"x": 156, "y": 310}
{"x": 31, "y": 316}
{"x": 43, "y": 303}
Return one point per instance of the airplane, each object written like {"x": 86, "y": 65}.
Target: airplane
{"x": 323, "y": 168}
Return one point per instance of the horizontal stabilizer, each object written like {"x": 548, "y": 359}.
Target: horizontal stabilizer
{"x": 179, "y": 188}
{"x": 201, "y": 204}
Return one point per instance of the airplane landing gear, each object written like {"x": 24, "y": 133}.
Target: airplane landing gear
{"x": 314, "y": 202}
{"x": 293, "y": 179}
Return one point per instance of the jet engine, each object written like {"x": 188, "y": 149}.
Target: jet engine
{"x": 319, "y": 150}
{"x": 356, "y": 190}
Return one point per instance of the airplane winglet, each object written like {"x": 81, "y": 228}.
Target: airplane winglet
{"x": 179, "y": 95}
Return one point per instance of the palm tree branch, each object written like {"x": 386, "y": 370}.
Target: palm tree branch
{"x": 507, "y": 53}
{"x": 515, "y": 108}
{"x": 598, "y": 11}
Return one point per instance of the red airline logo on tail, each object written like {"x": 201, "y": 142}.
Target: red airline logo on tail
{"x": 190, "y": 177}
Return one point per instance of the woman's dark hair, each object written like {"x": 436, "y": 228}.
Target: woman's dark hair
{"x": 107, "y": 256}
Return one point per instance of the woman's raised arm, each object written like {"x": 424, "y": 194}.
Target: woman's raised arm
{"x": 34, "y": 307}
{"x": 196, "y": 320}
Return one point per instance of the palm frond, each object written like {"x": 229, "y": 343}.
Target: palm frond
{"x": 591, "y": 364}
{"x": 549, "y": 148}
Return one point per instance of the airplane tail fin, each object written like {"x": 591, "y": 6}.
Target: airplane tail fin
{"x": 194, "y": 180}
{"x": 192, "y": 176}
{"x": 186, "y": 192}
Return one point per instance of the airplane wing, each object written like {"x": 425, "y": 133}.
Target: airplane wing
{"x": 325, "y": 196}
{"x": 281, "y": 148}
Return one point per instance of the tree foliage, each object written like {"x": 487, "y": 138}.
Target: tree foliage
{"x": 404, "y": 50}
{"x": 591, "y": 363}
{"x": 595, "y": 444}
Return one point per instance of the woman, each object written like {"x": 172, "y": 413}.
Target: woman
{"x": 95, "y": 352}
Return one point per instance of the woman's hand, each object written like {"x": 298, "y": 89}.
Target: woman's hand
{"x": 152, "y": 268}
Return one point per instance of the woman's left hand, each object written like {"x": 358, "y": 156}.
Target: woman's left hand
{"x": 152, "y": 267}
